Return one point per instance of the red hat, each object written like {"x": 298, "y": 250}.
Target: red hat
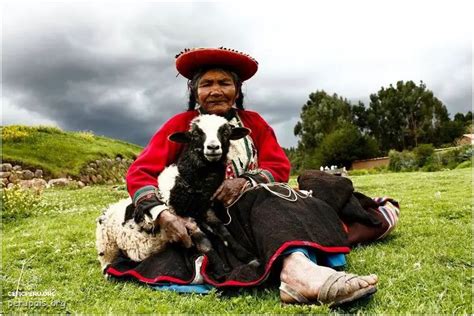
{"x": 191, "y": 60}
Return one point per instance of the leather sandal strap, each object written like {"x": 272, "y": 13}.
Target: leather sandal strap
{"x": 327, "y": 289}
{"x": 297, "y": 296}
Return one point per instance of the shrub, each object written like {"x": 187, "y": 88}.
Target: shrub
{"x": 48, "y": 129}
{"x": 14, "y": 133}
{"x": 19, "y": 203}
{"x": 466, "y": 152}
{"x": 465, "y": 164}
{"x": 345, "y": 145}
{"x": 402, "y": 161}
{"x": 87, "y": 135}
{"x": 423, "y": 153}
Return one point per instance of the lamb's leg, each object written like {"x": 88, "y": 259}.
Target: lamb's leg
{"x": 218, "y": 227}
{"x": 204, "y": 246}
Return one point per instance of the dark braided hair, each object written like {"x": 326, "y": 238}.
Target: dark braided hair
{"x": 193, "y": 83}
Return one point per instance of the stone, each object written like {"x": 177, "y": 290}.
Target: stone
{"x": 6, "y": 167}
{"x": 5, "y": 174}
{"x": 93, "y": 165}
{"x": 37, "y": 184}
{"x": 85, "y": 179}
{"x": 99, "y": 178}
{"x": 14, "y": 178}
{"x": 80, "y": 184}
{"x": 93, "y": 179}
{"x": 118, "y": 159}
{"x": 90, "y": 171}
{"x": 10, "y": 185}
{"x": 4, "y": 182}
{"x": 16, "y": 168}
{"x": 27, "y": 175}
{"x": 38, "y": 173}
{"x": 109, "y": 182}
{"x": 60, "y": 182}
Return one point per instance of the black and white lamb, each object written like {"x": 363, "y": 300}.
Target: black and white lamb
{"x": 186, "y": 188}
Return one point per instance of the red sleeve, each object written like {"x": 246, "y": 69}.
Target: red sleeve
{"x": 159, "y": 153}
{"x": 271, "y": 157}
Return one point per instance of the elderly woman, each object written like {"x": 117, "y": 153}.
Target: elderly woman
{"x": 293, "y": 238}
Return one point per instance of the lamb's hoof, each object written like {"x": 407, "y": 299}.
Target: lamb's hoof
{"x": 226, "y": 268}
{"x": 255, "y": 263}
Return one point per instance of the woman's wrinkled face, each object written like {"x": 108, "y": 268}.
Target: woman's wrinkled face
{"x": 216, "y": 92}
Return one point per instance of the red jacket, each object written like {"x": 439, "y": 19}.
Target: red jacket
{"x": 160, "y": 153}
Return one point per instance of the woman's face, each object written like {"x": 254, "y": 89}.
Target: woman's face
{"x": 216, "y": 92}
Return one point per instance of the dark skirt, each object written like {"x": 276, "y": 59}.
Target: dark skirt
{"x": 264, "y": 224}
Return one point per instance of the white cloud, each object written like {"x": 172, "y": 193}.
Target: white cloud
{"x": 12, "y": 115}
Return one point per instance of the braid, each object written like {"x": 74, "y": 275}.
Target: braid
{"x": 191, "y": 101}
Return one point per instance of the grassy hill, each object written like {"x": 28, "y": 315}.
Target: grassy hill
{"x": 58, "y": 152}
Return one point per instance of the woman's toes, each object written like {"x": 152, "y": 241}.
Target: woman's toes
{"x": 362, "y": 283}
{"x": 372, "y": 279}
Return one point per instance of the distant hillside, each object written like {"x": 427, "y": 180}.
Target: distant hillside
{"x": 58, "y": 152}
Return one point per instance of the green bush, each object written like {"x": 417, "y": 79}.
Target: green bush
{"x": 423, "y": 153}
{"x": 402, "y": 161}
{"x": 345, "y": 145}
{"x": 465, "y": 164}
{"x": 466, "y": 152}
{"x": 19, "y": 203}
{"x": 453, "y": 157}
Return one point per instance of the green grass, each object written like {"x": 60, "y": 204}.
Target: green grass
{"x": 58, "y": 152}
{"x": 425, "y": 266}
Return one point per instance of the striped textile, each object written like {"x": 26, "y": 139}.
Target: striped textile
{"x": 390, "y": 209}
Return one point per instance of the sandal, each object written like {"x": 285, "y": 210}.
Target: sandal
{"x": 340, "y": 288}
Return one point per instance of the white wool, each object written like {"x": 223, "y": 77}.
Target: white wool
{"x": 113, "y": 237}
{"x": 166, "y": 181}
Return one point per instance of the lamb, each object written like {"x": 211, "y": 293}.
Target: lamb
{"x": 187, "y": 188}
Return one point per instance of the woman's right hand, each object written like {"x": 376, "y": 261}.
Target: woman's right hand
{"x": 176, "y": 227}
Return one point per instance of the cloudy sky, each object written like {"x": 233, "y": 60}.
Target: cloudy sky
{"x": 109, "y": 67}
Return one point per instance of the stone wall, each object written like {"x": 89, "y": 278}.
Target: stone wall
{"x": 104, "y": 171}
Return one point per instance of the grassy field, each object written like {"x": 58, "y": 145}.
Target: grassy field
{"x": 425, "y": 266}
{"x": 58, "y": 152}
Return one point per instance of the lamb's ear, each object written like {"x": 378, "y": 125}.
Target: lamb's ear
{"x": 239, "y": 132}
{"x": 180, "y": 137}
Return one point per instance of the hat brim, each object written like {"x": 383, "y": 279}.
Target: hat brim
{"x": 191, "y": 61}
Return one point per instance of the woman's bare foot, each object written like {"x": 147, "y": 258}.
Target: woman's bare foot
{"x": 306, "y": 277}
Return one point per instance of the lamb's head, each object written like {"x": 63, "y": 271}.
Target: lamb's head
{"x": 210, "y": 135}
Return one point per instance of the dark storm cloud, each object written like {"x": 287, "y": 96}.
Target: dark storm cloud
{"x": 110, "y": 68}
{"x": 84, "y": 78}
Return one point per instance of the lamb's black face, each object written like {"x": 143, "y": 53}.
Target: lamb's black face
{"x": 210, "y": 128}
{"x": 211, "y": 135}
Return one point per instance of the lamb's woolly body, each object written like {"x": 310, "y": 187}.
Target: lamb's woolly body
{"x": 115, "y": 235}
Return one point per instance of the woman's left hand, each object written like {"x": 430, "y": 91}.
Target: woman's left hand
{"x": 229, "y": 190}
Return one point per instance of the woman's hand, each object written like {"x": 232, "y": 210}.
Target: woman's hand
{"x": 176, "y": 227}
{"x": 229, "y": 190}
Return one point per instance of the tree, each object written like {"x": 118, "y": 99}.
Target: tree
{"x": 406, "y": 115}
{"x": 321, "y": 115}
{"x": 343, "y": 146}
